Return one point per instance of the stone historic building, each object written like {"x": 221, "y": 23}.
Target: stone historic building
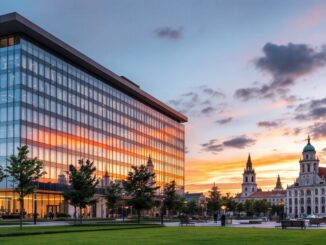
{"x": 307, "y": 195}
{"x": 250, "y": 191}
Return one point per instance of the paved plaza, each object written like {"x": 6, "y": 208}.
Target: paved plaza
{"x": 241, "y": 223}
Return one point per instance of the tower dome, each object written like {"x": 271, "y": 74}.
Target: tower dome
{"x": 309, "y": 147}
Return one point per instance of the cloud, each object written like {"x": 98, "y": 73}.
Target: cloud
{"x": 212, "y": 146}
{"x": 224, "y": 120}
{"x": 285, "y": 64}
{"x": 239, "y": 142}
{"x": 318, "y": 130}
{"x": 268, "y": 124}
{"x": 312, "y": 110}
{"x": 202, "y": 101}
{"x": 214, "y": 93}
{"x": 208, "y": 110}
{"x": 169, "y": 33}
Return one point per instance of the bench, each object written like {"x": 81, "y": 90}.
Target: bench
{"x": 251, "y": 222}
{"x": 255, "y": 222}
{"x": 185, "y": 221}
{"x": 293, "y": 223}
{"x": 315, "y": 222}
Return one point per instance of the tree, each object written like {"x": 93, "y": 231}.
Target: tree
{"x": 239, "y": 207}
{"x": 82, "y": 187}
{"x": 2, "y": 174}
{"x": 140, "y": 187}
{"x": 113, "y": 195}
{"x": 192, "y": 207}
{"x": 260, "y": 206}
{"x": 171, "y": 198}
{"x": 24, "y": 172}
{"x": 214, "y": 202}
{"x": 229, "y": 202}
{"x": 249, "y": 207}
{"x": 278, "y": 210}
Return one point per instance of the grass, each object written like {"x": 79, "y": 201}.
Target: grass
{"x": 38, "y": 230}
{"x": 178, "y": 235}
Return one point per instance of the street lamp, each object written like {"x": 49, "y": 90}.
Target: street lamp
{"x": 223, "y": 207}
{"x": 123, "y": 207}
{"x": 35, "y": 201}
{"x": 162, "y": 210}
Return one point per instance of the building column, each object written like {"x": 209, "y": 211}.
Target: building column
{"x": 313, "y": 202}
{"x": 304, "y": 202}
{"x": 299, "y": 204}
{"x": 319, "y": 201}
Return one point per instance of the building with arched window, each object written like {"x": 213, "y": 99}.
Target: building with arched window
{"x": 307, "y": 195}
{"x": 250, "y": 191}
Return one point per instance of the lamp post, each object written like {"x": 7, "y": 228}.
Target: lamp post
{"x": 223, "y": 207}
{"x": 162, "y": 210}
{"x": 123, "y": 207}
{"x": 223, "y": 218}
{"x": 35, "y": 203}
{"x": 35, "y": 207}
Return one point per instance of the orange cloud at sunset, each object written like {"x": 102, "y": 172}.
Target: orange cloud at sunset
{"x": 201, "y": 174}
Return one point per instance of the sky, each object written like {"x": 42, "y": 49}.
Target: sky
{"x": 249, "y": 74}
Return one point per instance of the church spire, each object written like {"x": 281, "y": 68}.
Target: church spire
{"x": 249, "y": 163}
{"x": 308, "y": 139}
{"x": 278, "y": 185}
{"x": 149, "y": 162}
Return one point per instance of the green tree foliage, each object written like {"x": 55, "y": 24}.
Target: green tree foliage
{"x": 249, "y": 207}
{"x": 214, "y": 200}
{"x": 260, "y": 206}
{"x": 172, "y": 200}
{"x": 140, "y": 187}
{"x": 113, "y": 196}
{"x": 239, "y": 207}
{"x": 2, "y": 174}
{"x": 278, "y": 210}
{"x": 191, "y": 208}
{"x": 83, "y": 182}
{"x": 229, "y": 202}
{"x": 24, "y": 172}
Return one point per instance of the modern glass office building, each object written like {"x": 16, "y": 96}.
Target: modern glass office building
{"x": 65, "y": 107}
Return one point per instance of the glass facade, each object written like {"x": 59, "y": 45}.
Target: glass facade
{"x": 63, "y": 113}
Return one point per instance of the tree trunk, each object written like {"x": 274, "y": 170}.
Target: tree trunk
{"x": 138, "y": 214}
{"x": 21, "y": 212}
{"x": 75, "y": 214}
{"x": 80, "y": 214}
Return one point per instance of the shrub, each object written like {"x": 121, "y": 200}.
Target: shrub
{"x": 63, "y": 215}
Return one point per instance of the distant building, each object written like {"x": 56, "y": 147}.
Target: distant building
{"x": 251, "y": 192}
{"x": 199, "y": 198}
{"x": 307, "y": 195}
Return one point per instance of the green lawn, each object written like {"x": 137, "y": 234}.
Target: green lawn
{"x": 178, "y": 235}
{"x": 56, "y": 229}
